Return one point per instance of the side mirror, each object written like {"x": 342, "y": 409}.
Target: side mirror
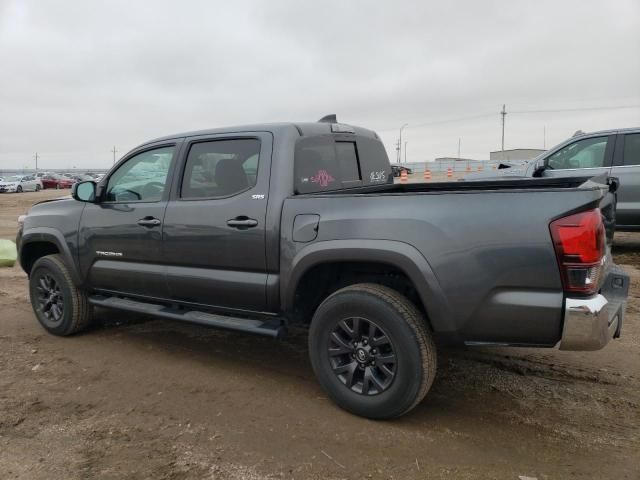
{"x": 84, "y": 191}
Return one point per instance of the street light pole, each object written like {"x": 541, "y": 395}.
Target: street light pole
{"x": 405, "y": 152}
{"x": 400, "y": 143}
{"x": 114, "y": 151}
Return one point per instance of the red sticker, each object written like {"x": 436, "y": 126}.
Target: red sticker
{"x": 323, "y": 178}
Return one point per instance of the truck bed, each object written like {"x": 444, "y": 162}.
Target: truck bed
{"x": 485, "y": 246}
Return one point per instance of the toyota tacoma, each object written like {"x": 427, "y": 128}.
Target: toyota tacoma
{"x": 260, "y": 227}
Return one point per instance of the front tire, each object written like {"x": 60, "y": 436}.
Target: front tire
{"x": 372, "y": 351}
{"x": 19, "y": 189}
{"x": 60, "y": 307}
{"x": 37, "y": 188}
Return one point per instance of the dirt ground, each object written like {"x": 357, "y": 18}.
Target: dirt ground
{"x": 138, "y": 398}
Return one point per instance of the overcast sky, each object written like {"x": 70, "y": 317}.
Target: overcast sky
{"x": 78, "y": 76}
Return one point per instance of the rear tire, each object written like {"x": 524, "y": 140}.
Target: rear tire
{"x": 372, "y": 351}
{"x": 60, "y": 307}
{"x": 19, "y": 189}
{"x": 37, "y": 188}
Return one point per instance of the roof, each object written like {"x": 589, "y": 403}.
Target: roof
{"x": 304, "y": 129}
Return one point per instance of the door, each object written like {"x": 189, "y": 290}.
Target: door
{"x": 585, "y": 157}
{"x": 28, "y": 184}
{"x": 120, "y": 237}
{"x": 626, "y": 167}
{"x": 214, "y": 233}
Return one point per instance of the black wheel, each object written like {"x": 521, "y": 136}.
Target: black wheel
{"x": 372, "y": 351}
{"x": 37, "y": 188}
{"x": 60, "y": 307}
{"x": 19, "y": 189}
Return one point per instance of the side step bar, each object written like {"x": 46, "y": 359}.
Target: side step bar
{"x": 272, "y": 327}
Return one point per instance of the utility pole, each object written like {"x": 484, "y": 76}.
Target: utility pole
{"x": 504, "y": 114}
{"x": 398, "y": 151}
{"x": 400, "y": 143}
{"x": 405, "y": 152}
{"x": 459, "y": 142}
{"x": 544, "y": 137}
{"x": 114, "y": 151}
{"x": 36, "y": 157}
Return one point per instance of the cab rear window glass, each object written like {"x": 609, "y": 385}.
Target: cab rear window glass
{"x": 632, "y": 149}
{"x": 325, "y": 163}
{"x": 347, "y": 156}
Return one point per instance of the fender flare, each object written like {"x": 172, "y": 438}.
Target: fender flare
{"x": 399, "y": 254}
{"x": 54, "y": 236}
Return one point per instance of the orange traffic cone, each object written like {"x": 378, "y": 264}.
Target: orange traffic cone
{"x": 449, "y": 172}
{"x": 480, "y": 167}
{"x": 427, "y": 174}
{"x": 403, "y": 176}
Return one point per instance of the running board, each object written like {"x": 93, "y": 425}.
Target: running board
{"x": 272, "y": 327}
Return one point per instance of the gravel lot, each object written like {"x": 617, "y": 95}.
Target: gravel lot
{"x": 137, "y": 398}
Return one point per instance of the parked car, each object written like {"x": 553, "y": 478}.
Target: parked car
{"x": 20, "y": 183}
{"x": 397, "y": 169}
{"x": 257, "y": 228}
{"x": 56, "y": 181}
{"x": 610, "y": 152}
{"x": 82, "y": 178}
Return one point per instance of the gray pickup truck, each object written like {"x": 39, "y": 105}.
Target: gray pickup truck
{"x": 612, "y": 152}
{"x": 259, "y": 227}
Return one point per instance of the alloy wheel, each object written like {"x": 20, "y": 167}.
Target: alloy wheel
{"x": 362, "y": 356}
{"x": 50, "y": 300}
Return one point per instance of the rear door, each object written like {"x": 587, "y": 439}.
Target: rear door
{"x": 589, "y": 156}
{"x": 626, "y": 166}
{"x": 214, "y": 227}
{"x": 120, "y": 237}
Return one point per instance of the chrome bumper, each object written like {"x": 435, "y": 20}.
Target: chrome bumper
{"x": 589, "y": 323}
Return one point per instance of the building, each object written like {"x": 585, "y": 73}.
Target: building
{"x": 515, "y": 154}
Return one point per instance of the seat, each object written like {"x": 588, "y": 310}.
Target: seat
{"x": 230, "y": 177}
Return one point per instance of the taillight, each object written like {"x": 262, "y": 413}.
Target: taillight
{"x": 579, "y": 241}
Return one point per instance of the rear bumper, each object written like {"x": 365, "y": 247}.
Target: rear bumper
{"x": 589, "y": 323}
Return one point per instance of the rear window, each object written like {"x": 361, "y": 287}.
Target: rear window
{"x": 332, "y": 162}
{"x": 347, "y": 156}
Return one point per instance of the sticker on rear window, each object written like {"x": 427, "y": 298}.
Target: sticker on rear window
{"x": 322, "y": 178}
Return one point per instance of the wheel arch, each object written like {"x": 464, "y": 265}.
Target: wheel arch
{"x": 398, "y": 258}
{"x": 42, "y": 241}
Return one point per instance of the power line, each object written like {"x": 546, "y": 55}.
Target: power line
{"x": 487, "y": 115}
{"x": 578, "y": 109}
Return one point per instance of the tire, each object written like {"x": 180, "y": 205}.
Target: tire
{"x": 50, "y": 278}
{"x": 19, "y": 189}
{"x": 37, "y": 188}
{"x": 400, "y": 332}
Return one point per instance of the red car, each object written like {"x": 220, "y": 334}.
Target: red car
{"x": 56, "y": 181}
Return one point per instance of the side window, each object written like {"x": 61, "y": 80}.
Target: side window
{"x": 587, "y": 153}
{"x": 142, "y": 178}
{"x": 631, "y": 149}
{"x": 221, "y": 168}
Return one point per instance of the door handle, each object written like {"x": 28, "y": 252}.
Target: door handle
{"x": 242, "y": 222}
{"x": 149, "y": 222}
